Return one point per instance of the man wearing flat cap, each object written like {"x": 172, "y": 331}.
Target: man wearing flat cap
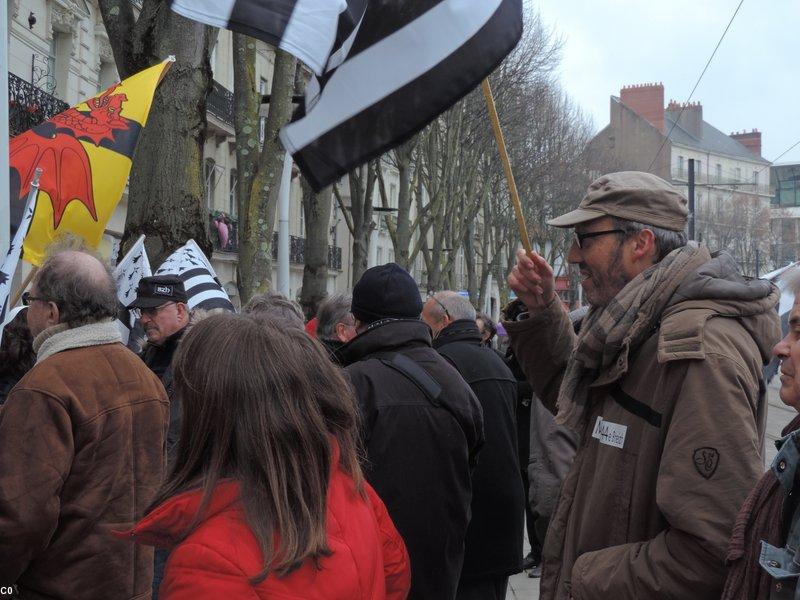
{"x": 421, "y": 427}
{"x": 663, "y": 386}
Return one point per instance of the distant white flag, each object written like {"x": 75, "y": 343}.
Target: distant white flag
{"x": 203, "y": 289}
{"x": 12, "y": 256}
{"x": 129, "y": 271}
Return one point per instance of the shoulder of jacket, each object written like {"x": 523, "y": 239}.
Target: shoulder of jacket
{"x": 691, "y": 334}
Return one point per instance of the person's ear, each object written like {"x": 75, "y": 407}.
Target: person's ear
{"x": 644, "y": 246}
{"x": 53, "y": 314}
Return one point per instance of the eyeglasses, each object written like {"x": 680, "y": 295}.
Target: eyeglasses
{"x": 150, "y": 312}
{"x": 444, "y": 308}
{"x": 27, "y": 299}
{"x": 579, "y": 237}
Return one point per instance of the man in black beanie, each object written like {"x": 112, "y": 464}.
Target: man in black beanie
{"x": 422, "y": 427}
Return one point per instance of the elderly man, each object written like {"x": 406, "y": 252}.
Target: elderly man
{"x": 663, "y": 386}
{"x": 278, "y": 308}
{"x": 493, "y": 548}
{"x": 161, "y": 308}
{"x": 81, "y": 444}
{"x": 422, "y": 427}
{"x": 336, "y": 325}
{"x": 763, "y": 553}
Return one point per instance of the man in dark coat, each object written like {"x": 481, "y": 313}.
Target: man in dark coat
{"x": 421, "y": 427}
{"x": 494, "y": 537}
{"x": 161, "y": 308}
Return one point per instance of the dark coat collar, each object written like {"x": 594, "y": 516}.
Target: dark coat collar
{"x": 386, "y": 336}
{"x": 463, "y": 330}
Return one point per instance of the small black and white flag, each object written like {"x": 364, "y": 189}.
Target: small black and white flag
{"x": 11, "y": 259}
{"x": 306, "y": 29}
{"x": 129, "y": 271}
{"x": 405, "y": 63}
{"x": 203, "y": 289}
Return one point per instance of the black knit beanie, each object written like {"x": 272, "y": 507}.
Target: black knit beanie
{"x": 384, "y": 292}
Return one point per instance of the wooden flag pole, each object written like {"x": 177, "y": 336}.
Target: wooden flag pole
{"x": 512, "y": 186}
{"x": 23, "y": 286}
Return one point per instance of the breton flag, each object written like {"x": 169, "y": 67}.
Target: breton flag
{"x": 202, "y": 286}
{"x": 394, "y": 66}
{"x": 86, "y": 154}
{"x": 11, "y": 260}
{"x": 407, "y": 62}
{"x": 129, "y": 271}
{"x": 307, "y": 29}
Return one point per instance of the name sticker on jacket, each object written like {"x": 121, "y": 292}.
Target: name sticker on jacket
{"x": 608, "y": 433}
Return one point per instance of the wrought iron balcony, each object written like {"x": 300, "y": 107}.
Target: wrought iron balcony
{"x": 297, "y": 248}
{"x": 220, "y": 103}
{"x": 28, "y": 105}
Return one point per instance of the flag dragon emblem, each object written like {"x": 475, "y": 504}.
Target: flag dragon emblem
{"x": 55, "y": 146}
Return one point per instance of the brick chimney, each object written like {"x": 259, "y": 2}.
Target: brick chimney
{"x": 750, "y": 140}
{"x": 691, "y": 116}
{"x": 647, "y": 101}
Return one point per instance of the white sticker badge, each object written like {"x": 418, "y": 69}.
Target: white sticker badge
{"x": 608, "y": 433}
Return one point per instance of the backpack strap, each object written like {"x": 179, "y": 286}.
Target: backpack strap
{"x": 416, "y": 374}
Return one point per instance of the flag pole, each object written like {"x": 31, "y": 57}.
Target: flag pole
{"x": 28, "y": 203}
{"x": 501, "y": 145}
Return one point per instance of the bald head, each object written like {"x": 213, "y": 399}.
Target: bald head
{"x": 445, "y": 307}
{"x": 77, "y": 286}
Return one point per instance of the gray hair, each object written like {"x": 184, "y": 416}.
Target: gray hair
{"x": 458, "y": 307}
{"x": 666, "y": 240}
{"x": 332, "y": 311}
{"x": 276, "y": 307}
{"x": 80, "y": 284}
{"x": 791, "y": 279}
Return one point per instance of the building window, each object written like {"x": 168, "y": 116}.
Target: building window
{"x": 263, "y": 86}
{"x": 738, "y": 174}
{"x": 680, "y": 166}
{"x": 755, "y": 181}
{"x": 719, "y": 173}
{"x": 393, "y": 195}
{"x": 302, "y": 220}
{"x": 379, "y": 256}
{"x": 210, "y": 176}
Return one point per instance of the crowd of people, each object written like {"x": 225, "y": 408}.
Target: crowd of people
{"x": 385, "y": 449}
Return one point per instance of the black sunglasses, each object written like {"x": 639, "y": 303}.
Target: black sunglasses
{"x": 27, "y": 299}
{"x": 444, "y": 308}
{"x": 579, "y": 237}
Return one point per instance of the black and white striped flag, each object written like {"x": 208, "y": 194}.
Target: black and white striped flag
{"x": 307, "y": 29}
{"x": 203, "y": 289}
{"x": 405, "y": 63}
{"x": 129, "y": 271}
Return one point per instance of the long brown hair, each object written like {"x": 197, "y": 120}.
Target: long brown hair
{"x": 260, "y": 405}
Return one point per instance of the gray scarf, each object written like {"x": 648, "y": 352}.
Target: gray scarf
{"x": 610, "y": 333}
{"x": 61, "y": 337}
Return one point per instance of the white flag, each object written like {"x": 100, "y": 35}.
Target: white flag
{"x": 203, "y": 289}
{"x": 12, "y": 256}
{"x": 129, "y": 271}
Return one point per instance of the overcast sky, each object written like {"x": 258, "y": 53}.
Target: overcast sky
{"x": 752, "y": 82}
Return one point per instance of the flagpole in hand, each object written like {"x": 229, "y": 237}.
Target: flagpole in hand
{"x": 512, "y": 186}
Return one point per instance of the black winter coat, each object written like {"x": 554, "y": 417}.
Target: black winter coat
{"x": 494, "y": 536}
{"x": 159, "y": 360}
{"x": 420, "y": 454}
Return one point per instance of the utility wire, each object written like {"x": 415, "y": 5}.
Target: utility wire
{"x": 781, "y": 155}
{"x": 710, "y": 58}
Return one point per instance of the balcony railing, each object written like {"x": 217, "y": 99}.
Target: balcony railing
{"x": 297, "y": 248}
{"x": 220, "y": 103}
{"x": 28, "y": 105}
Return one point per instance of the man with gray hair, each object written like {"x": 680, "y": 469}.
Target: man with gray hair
{"x": 336, "y": 325}
{"x": 277, "y": 307}
{"x": 493, "y": 546}
{"x": 663, "y": 386}
{"x": 81, "y": 444}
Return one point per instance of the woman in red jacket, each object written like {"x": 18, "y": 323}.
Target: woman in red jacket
{"x": 266, "y": 498}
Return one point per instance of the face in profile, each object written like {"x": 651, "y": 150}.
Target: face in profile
{"x": 788, "y": 350}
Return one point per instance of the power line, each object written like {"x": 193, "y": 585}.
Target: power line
{"x": 710, "y": 58}
{"x": 781, "y": 155}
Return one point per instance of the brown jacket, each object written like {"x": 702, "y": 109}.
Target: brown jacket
{"x": 648, "y": 512}
{"x": 81, "y": 450}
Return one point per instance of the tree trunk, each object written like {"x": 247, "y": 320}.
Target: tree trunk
{"x": 362, "y": 186}
{"x": 317, "y": 209}
{"x": 165, "y": 195}
{"x": 259, "y": 171}
{"x": 469, "y": 261}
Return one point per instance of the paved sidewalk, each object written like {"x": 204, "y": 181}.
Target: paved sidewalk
{"x": 522, "y": 587}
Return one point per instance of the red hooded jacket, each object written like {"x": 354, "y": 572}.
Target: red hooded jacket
{"x": 368, "y": 561}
